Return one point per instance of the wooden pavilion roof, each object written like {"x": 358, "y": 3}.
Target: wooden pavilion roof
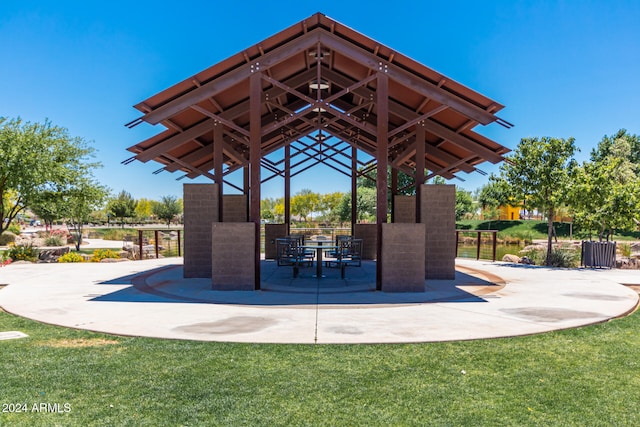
{"x": 294, "y": 112}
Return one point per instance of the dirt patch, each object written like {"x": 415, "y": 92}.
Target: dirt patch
{"x": 79, "y": 343}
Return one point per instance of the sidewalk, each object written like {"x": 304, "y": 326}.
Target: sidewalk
{"x": 150, "y": 298}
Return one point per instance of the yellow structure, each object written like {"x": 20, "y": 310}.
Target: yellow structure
{"x": 506, "y": 212}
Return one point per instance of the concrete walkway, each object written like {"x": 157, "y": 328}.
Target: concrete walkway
{"x": 150, "y": 298}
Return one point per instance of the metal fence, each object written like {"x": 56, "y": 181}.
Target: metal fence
{"x": 482, "y": 243}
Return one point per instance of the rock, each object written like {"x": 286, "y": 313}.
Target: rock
{"x": 511, "y": 258}
{"x": 526, "y": 260}
{"x": 51, "y": 254}
{"x": 108, "y": 260}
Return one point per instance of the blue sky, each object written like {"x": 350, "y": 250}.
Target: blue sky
{"x": 561, "y": 68}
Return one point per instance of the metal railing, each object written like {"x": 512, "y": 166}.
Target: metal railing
{"x": 478, "y": 241}
{"x": 143, "y": 241}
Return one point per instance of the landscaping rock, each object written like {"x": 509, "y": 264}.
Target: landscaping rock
{"x": 51, "y": 254}
{"x": 108, "y": 260}
{"x": 511, "y": 258}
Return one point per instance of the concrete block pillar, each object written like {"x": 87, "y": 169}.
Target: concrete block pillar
{"x": 233, "y": 256}
{"x": 438, "y": 213}
{"x": 200, "y": 210}
{"x": 234, "y": 208}
{"x": 403, "y": 257}
{"x": 404, "y": 209}
{"x": 369, "y": 235}
{"x": 271, "y": 233}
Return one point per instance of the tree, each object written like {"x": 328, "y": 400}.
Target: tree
{"x": 539, "y": 172}
{"x": 605, "y": 146}
{"x": 494, "y": 194}
{"x": 81, "y": 201}
{"x": 48, "y": 206}
{"x": 123, "y": 206}
{"x": 366, "y": 205}
{"x": 37, "y": 158}
{"x": 329, "y": 204}
{"x": 606, "y": 193}
{"x": 304, "y": 202}
{"x": 167, "y": 209}
{"x": 464, "y": 203}
{"x": 144, "y": 208}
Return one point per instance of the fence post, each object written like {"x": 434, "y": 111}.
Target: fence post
{"x": 140, "y": 244}
{"x": 179, "y": 249}
{"x": 457, "y": 242}
{"x": 155, "y": 239}
{"x": 495, "y": 243}
{"x": 478, "y": 249}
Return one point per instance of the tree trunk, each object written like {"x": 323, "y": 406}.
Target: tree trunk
{"x": 549, "y": 236}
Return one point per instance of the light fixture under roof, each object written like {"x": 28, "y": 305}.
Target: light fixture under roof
{"x": 319, "y": 110}
{"x": 323, "y": 85}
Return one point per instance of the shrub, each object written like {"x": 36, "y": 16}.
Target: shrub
{"x": 6, "y": 238}
{"x": 4, "y": 259}
{"x": 625, "y": 249}
{"x": 100, "y": 254}
{"x": 71, "y": 257}
{"x": 23, "y": 253}
{"x": 116, "y": 234}
{"x": 560, "y": 257}
{"x": 14, "y": 228}
{"x": 53, "y": 241}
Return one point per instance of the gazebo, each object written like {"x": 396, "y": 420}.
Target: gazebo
{"x": 318, "y": 92}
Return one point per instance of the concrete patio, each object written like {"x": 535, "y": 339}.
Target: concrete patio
{"x": 150, "y": 298}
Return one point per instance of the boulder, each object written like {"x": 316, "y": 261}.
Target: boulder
{"x": 511, "y": 258}
{"x": 51, "y": 254}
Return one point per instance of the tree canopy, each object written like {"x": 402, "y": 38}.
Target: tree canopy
{"x": 606, "y": 193}
{"x": 538, "y": 172}
{"x": 37, "y": 159}
{"x": 122, "y": 206}
{"x": 167, "y": 209}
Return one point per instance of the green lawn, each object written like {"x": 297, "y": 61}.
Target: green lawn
{"x": 534, "y": 229}
{"x": 587, "y": 376}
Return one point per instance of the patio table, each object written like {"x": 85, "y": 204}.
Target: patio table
{"x": 320, "y": 248}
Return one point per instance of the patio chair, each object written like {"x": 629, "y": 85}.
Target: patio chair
{"x": 289, "y": 252}
{"x": 349, "y": 254}
{"x": 309, "y": 254}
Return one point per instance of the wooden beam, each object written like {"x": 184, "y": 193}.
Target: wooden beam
{"x": 407, "y": 79}
{"x": 233, "y": 77}
{"x": 461, "y": 141}
{"x": 175, "y": 141}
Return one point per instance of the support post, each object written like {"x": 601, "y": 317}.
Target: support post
{"x": 255, "y": 103}
{"x": 354, "y": 188}
{"x": 382, "y": 105}
{"x": 420, "y": 165}
{"x": 217, "y": 164}
{"x": 287, "y": 187}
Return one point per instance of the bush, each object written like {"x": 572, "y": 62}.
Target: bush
{"x": 53, "y": 241}
{"x": 23, "y": 253}
{"x": 4, "y": 259}
{"x": 6, "y": 238}
{"x": 625, "y": 249}
{"x": 71, "y": 257}
{"x": 560, "y": 257}
{"x": 117, "y": 234}
{"x": 100, "y": 254}
{"x": 14, "y": 228}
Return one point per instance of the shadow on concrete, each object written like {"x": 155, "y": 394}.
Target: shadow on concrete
{"x": 279, "y": 288}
